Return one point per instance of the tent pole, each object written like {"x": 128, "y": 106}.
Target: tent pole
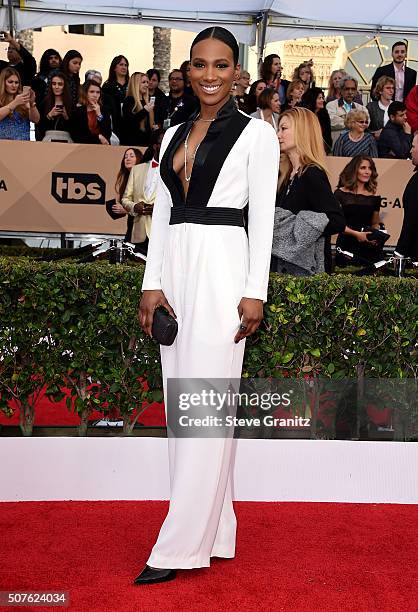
{"x": 11, "y": 17}
{"x": 261, "y": 38}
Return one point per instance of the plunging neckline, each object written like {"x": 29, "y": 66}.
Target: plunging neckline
{"x": 210, "y": 157}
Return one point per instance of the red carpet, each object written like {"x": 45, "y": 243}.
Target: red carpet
{"x": 290, "y": 556}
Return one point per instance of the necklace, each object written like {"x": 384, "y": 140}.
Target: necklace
{"x": 186, "y": 149}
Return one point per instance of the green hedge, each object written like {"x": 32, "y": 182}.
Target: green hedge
{"x": 74, "y": 326}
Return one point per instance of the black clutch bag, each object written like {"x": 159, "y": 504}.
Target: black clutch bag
{"x": 164, "y": 327}
{"x": 380, "y": 236}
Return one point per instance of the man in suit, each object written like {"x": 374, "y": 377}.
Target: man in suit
{"x": 408, "y": 240}
{"x": 405, "y": 78}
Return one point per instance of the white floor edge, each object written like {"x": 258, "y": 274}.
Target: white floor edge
{"x": 45, "y": 469}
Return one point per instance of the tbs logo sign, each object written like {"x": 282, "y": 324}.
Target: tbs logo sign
{"x": 69, "y": 188}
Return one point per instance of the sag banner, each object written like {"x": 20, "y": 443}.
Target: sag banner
{"x": 61, "y": 187}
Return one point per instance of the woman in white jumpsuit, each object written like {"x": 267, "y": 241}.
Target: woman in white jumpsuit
{"x": 204, "y": 269}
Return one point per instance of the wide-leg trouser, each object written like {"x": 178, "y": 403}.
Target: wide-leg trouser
{"x": 203, "y": 278}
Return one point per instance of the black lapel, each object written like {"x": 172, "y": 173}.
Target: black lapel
{"x": 170, "y": 178}
{"x": 213, "y": 151}
{"x": 210, "y": 156}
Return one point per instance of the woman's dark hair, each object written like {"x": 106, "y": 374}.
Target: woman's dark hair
{"x": 265, "y": 70}
{"x": 265, "y": 98}
{"x": 251, "y": 102}
{"x": 44, "y": 68}
{"x": 123, "y": 174}
{"x": 112, "y": 69}
{"x": 49, "y": 101}
{"x": 348, "y": 177}
{"x": 70, "y": 55}
{"x": 85, "y": 89}
{"x": 221, "y": 34}
{"x": 152, "y": 71}
{"x": 184, "y": 71}
{"x": 310, "y": 97}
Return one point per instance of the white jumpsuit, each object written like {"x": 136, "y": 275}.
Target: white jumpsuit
{"x": 204, "y": 270}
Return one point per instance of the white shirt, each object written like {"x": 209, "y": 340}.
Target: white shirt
{"x": 152, "y": 179}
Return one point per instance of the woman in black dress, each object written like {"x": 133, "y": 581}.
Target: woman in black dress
{"x": 137, "y": 112}
{"x": 356, "y": 193}
{"x": 305, "y": 192}
{"x": 114, "y": 90}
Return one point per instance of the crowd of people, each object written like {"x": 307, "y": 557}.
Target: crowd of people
{"x": 132, "y": 110}
{"x": 129, "y": 109}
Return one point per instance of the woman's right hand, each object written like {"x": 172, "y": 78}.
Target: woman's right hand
{"x": 20, "y": 100}
{"x": 148, "y": 107}
{"x": 118, "y": 209}
{"x": 54, "y": 112}
{"x": 362, "y": 237}
{"x": 150, "y": 300}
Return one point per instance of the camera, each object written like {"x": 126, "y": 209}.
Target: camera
{"x": 2, "y": 35}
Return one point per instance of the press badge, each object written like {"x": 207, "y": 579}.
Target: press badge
{"x": 166, "y": 124}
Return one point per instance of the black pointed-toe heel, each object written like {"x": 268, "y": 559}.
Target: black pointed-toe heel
{"x": 153, "y": 575}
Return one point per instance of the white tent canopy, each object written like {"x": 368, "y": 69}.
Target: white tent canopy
{"x": 284, "y": 19}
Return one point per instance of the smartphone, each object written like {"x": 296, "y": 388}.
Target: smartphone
{"x": 25, "y": 89}
{"x": 2, "y": 35}
{"x": 59, "y": 106}
{"x": 152, "y": 99}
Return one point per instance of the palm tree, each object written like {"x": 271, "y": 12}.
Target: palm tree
{"x": 162, "y": 53}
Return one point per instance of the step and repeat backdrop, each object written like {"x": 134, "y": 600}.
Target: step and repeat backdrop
{"x": 61, "y": 187}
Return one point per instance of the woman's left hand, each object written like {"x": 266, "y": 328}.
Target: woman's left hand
{"x": 251, "y": 314}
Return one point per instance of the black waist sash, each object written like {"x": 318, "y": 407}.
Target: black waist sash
{"x": 206, "y": 215}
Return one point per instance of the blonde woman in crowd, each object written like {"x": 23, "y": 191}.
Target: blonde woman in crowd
{"x": 307, "y": 212}
{"x": 294, "y": 94}
{"x": 355, "y": 140}
{"x": 17, "y": 107}
{"x": 304, "y": 73}
{"x": 137, "y": 112}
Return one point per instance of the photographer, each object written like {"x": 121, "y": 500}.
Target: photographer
{"x": 19, "y": 58}
{"x": 17, "y": 107}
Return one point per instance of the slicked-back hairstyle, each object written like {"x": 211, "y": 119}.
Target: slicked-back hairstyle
{"x": 348, "y": 177}
{"x": 308, "y": 142}
{"x": 221, "y": 34}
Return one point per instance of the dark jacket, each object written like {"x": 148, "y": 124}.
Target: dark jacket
{"x": 393, "y": 142}
{"x": 180, "y": 109}
{"x": 408, "y": 239}
{"x": 79, "y": 127}
{"x": 26, "y": 68}
{"x": 131, "y": 132}
{"x": 312, "y": 191}
{"x": 377, "y": 116}
{"x": 113, "y": 97}
{"x": 389, "y": 70}
{"x": 45, "y": 124}
{"x": 325, "y": 123}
